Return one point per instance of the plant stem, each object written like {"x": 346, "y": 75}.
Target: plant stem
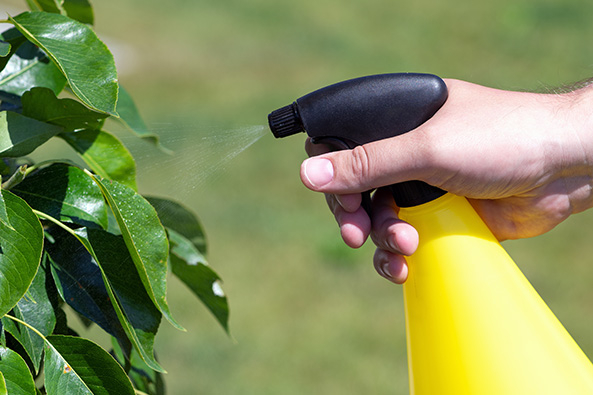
{"x": 25, "y": 324}
{"x": 43, "y": 215}
{"x": 41, "y": 164}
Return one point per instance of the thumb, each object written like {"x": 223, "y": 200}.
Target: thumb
{"x": 368, "y": 166}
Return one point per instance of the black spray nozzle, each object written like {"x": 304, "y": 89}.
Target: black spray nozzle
{"x": 285, "y": 121}
{"x": 366, "y": 109}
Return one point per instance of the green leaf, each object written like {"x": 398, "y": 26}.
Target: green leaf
{"x": 138, "y": 316}
{"x": 142, "y": 376}
{"x": 81, "y": 10}
{"x": 105, "y": 154}
{"x": 66, "y": 193}
{"x": 129, "y": 116}
{"x": 34, "y": 5}
{"x": 46, "y": 5}
{"x": 9, "y": 101}
{"x": 77, "y": 51}
{"x": 3, "y": 213}
{"x": 17, "y": 377}
{"x": 15, "y": 39}
{"x": 142, "y": 318}
{"x": 175, "y": 216}
{"x": 43, "y": 105}
{"x": 80, "y": 283}
{"x": 188, "y": 244}
{"x": 189, "y": 265}
{"x": 38, "y": 309}
{"x": 3, "y": 390}
{"x": 20, "y": 251}
{"x": 4, "y": 48}
{"x": 145, "y": 238}
{"x": 74, "y": 365}
{"x": 19, "y": 135}
{"x": 30, "y": 67}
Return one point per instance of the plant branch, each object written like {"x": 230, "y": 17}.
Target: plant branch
{"x": 18, "y": 176}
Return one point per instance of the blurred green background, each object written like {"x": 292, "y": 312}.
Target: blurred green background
{"x": 309, "y": 315}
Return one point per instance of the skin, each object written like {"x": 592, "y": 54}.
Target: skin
{"x": 523, "y": 160}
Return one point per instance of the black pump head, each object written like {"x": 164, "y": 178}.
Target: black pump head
{"x": 285, "y": 121}
{"x": 366, "y": 109}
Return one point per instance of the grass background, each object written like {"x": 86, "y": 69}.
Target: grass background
{"x": 309, "y": 315}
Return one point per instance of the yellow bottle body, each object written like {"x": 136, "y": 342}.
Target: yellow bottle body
{"x": 474, "y": 324}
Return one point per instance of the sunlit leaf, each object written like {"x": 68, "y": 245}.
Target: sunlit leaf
{"x": 189, "y": 265}
{"x": 145, "y": 238}
{"x": 105, "y": 154}
{"x": 3, "y": 390}
{"x": 20, "y": 251}
{"x": 3, "y": 213}
{"x": 77, "y": 51}
{"x": 17, "y": 377}
{"x": 74, "y": 365}
{"x": 34, "y": 5}
{"x": 175, "y": 216}
{"x": 38, "y": 309}
{"x": 30, "y": 67}
{"x": 130, "y": 117}
{"x": 46, "y": 5}
{"x": 81, "y": 10}
{"x": 43, "y": 105}
{"x": 66, "y": 193}
{"x": 188, "y": 246}
{"x": 4, "y": 48}
{"x": 20, "y": 135}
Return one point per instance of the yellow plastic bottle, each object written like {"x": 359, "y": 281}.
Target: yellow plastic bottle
{"x": 475, "y": 325}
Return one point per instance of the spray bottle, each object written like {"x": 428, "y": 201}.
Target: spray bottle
{"x": 474, "y": 324}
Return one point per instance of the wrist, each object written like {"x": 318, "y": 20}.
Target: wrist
{"x": 579, "y": 119}
{"x": 577, "y": 169}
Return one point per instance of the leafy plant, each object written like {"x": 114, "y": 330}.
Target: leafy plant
{"x": 82, "y": 236}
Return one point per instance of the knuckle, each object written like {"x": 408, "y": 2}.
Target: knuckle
{"x": 360, "y": 164}
{"x": 431, "y": 156}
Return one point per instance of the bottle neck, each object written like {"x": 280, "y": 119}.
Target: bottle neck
{"x": 414, "y": 193}
{"x": 447, "y": 215}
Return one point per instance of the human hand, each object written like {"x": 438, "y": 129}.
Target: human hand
{"x": 522, "y": 160}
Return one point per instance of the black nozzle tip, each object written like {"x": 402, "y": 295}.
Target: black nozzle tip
{"x": 285, "y": 121}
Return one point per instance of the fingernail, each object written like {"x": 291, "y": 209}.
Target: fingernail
{"x": 382, "y": 263}
{"x": 392, "y": 243}
{"x": 386, "y": 271}
{"x": 318, "y": 171}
